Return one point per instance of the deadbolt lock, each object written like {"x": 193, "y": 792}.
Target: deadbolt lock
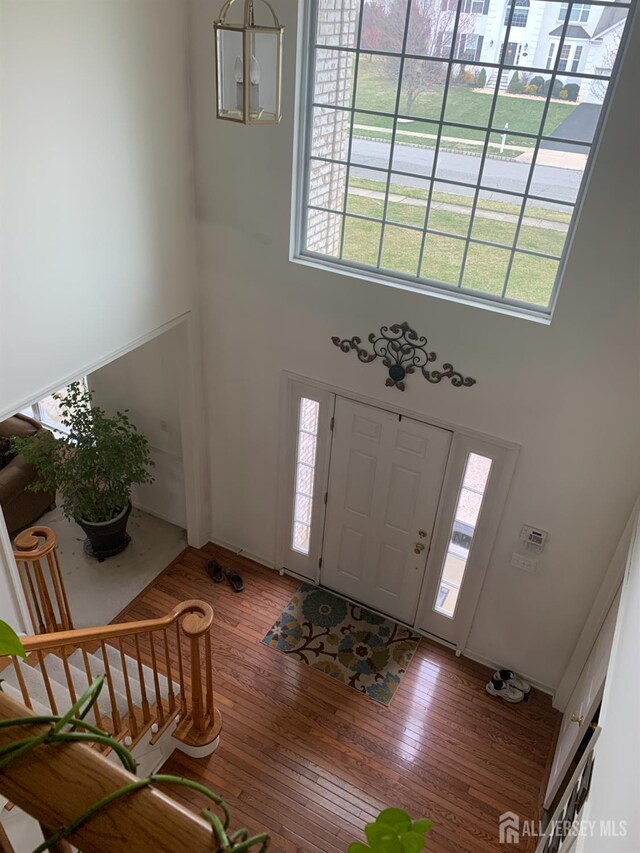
{"x": 422, "y": 534}
{"x": 419, "y": 547}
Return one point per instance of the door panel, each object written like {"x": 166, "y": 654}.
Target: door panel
{"x": 384, "y": 486}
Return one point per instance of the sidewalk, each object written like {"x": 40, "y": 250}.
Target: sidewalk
{"x": 546, "y": 156}
{"x": 495, "y": 215}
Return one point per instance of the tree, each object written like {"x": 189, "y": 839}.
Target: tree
{"x": 430, "y": 34}
{"x": 609, "y": 54}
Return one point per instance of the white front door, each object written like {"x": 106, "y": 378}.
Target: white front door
{"x": 384, "y": 487}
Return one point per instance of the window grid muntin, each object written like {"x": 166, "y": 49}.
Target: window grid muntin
{"x": 447, "y": 123}
{"x": 435, "y": 231}
{"x": 436, "y": 154}
{"x": 483, "y": 188}
{"x": 475, "y": 62}
{"x": 532, "y": 169}
{"x": 492, "y": 112}
{"x": 557, "y": 203}
{"x": 405, "y": 36}
{"x": 352, "y": 122}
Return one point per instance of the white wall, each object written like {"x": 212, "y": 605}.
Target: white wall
{"x": 95, "y": 184}
{"x": 566, "y": 392}
{"x": 147, "y": 382}
{"x": 615, "y": 790}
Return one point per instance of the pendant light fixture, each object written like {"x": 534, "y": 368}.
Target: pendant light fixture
{"x": 248, "y": 66}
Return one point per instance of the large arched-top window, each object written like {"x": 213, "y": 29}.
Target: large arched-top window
{"x": 520, "y": 15}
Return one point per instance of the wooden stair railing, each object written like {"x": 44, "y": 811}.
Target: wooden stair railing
{"x": 56, "y": 783}
{"x": 146, "y": 647}
{"x": 39, "y": 569}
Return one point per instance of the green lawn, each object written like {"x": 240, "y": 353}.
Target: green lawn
{"x": 531, "y": 278}
{"x": 377, "y": 91}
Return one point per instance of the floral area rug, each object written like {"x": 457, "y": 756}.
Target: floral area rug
{"x": 345, "y": 641}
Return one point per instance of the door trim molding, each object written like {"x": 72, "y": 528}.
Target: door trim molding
{"x": 392, "y": 406}
{"x": 598, "y": 613}
{"x": 464, "y": 436}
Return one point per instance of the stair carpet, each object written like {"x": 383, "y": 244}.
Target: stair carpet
{"x": 35, "y": 684}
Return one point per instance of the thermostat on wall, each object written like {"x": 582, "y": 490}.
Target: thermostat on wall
{"x": 534, "y": 537}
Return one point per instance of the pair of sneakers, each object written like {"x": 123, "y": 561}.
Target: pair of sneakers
{"x": 508, "y": 686}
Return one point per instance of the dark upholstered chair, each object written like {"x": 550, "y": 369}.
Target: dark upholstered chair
{"x": 21, "y": 506}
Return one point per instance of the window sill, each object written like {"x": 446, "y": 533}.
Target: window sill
{"x": 523, "y": 312}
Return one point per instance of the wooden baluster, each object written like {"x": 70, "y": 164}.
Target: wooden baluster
{"x": 115, "y": 715}
{"x": 208, "y": 674}
{"x": 133, "y": 723}
{"x": 31, "y": 597}
{"x": 61, "y": 595}
{"x": 183, "y": 691}
{"x": 146, "y": 716}
{"x": 171, "y": 694}
{"x": 5, "y": 844}
{"x": 87, "y": 669}
{"x": 23, "y": 687}
{"x": 156, "y": 681}
{"x": 47, "y": 683}
{"x": 67, "y": 672}
{"x": 45, "y": 600}
{"x": 60, "y": 846}
{"x": 196, "y": 685}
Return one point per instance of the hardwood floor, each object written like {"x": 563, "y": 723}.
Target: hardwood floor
{"x": 311, "y": 761}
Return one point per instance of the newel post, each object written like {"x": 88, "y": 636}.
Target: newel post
{"x": 39, "y": 569}
{"x": 199, "y": 733}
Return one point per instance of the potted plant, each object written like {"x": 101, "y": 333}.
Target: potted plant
{"x": 93, "y": 466}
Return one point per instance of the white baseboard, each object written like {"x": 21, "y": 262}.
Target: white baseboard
{"x": 543, "y": 688}
{"x": 238, "y": 551}
{"x": 159, "y": 515}
{"x": 269, "y": 564}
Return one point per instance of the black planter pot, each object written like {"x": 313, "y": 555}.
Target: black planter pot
{"x": 106, "y": 538}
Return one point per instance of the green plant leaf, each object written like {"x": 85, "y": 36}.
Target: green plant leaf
{"x": 412, "y": 842}
{"x": 358, "y": 847}
{"x": 392, "y": 817}
{"x": 378, "y": 832}
{"x": 389, "y": 844}
{"x": 422, "y": 826}
{"x": 10, "y": 642}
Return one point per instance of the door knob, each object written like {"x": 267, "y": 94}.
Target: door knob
{"x": 422, "y": 534}
{"x": 419, "y": 547}
{"x": 577, "y": 718}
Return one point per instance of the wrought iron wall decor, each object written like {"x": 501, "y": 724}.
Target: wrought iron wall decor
{"x": 402, "y": 351}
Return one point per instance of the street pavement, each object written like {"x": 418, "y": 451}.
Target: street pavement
{"x": 553, "y": 182}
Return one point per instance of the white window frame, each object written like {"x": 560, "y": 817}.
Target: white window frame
{"x": 288, "y": 558}
{"x": 502, "y": 304}
{"x": 520, "y": 17}
{"x": 503, "y": 457}
{"x": 581, "y": 10}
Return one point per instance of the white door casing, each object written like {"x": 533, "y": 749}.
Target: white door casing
{"x": 502, "y": 461}
{"x": 583, "y": 703}
{"x": 385, "y": 480}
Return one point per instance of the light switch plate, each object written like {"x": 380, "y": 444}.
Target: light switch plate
{"x": 525, "y": 564}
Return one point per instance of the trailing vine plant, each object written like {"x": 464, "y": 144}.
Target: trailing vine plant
{"x": 393, "y": 831}
{"x": 73, "y": 727}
